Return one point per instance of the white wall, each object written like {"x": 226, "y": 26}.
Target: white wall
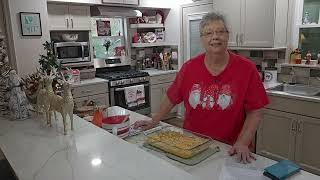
{"x": 24, "y": 50}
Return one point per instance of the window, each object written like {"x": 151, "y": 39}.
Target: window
{"x": 107, "y": 37}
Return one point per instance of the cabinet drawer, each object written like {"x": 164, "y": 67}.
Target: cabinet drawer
{"x": 100, "y": 99}
{"x": 79, "y": 102}
{"x": 88, "y": 90}
{"x": 162, "y": 78}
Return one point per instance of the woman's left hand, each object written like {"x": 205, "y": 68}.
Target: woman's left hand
{"x": 242, "y": 152}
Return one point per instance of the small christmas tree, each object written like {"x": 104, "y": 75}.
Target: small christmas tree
{"x": 4, "y": 74}
{"x": 48, "y": 61}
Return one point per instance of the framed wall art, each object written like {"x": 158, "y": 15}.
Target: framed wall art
{"x": 30, "y": 24}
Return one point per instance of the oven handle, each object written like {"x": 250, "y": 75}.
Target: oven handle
{"x": 82, "y": 49}
{"x": 122, "y": 89}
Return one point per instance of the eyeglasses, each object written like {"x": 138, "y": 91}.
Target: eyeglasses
{"x": 211, "y": 33}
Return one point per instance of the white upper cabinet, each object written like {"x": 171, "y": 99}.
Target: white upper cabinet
{"x": 133, "y": 2}
{"x": 80, "y": 17}
{"x": 113, "y": 1}
{"x": 257, "y": 21}
{"x": 58, "y": 16}
{"x": 68, "y": 17}
{"x": 254, "y": 23}
{"x": 129, "y": 2}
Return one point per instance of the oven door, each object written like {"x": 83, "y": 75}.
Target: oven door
{"x": 117, "y": 98}
{"x": 72, "y": 52}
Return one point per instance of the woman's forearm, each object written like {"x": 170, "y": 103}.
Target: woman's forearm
{"x": 250, "y": 127}
{"x": 165, "y": 108}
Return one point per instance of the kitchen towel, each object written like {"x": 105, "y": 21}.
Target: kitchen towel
{"x": 131, "y": 95}
{"x": 141, "y": 99}
{"x": 281, "y": 170}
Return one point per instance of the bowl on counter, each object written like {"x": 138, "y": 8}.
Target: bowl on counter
{"x": 70, "y": 37}
{"x": 116, "y": 121}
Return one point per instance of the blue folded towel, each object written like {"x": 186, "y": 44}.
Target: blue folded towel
{"x": 281, "y": 170}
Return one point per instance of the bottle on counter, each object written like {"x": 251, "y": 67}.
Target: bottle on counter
{"x": 318, "y": 56}
{"x": 308, "y": 57}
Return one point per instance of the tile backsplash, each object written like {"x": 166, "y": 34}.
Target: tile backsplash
{"x": 303, "y": 75}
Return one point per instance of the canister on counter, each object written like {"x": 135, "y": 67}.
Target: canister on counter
{"x": 270, "y": 75}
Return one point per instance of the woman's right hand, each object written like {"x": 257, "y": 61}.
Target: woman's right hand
{"x": 145, "y": 124}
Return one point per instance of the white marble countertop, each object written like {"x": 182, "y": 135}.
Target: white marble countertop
{"x": 89, "y": 81}
{"x": 156, "y": 72}
{"x": 37, "y": 152}
{"x": 271, "y": 85}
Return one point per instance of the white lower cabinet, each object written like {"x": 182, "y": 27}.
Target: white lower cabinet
{"x": 95, "y": 92}
{"x": 285, "y": 135}
{"x": 159, "y": 87}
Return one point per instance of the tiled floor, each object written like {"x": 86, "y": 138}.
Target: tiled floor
{"x": 5, "y": 171}
{"x": 175, "y": 122}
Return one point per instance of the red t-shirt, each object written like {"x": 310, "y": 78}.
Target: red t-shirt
{"x": 216, "y": 105}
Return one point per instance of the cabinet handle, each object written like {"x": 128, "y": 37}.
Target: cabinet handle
{"x": 299, "y": 127}
{"x": 294, "y": 126}
{"x": 86, "y": 91}
{"x": 72, "y": 23}
{"x": 163, "y": 79}
{"x": 241, "y": 38}
{"x": 237, "y": 37}
{"x": 67, "y": 23}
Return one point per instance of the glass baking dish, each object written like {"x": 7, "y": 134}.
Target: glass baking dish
{"x": 179, "y": 142}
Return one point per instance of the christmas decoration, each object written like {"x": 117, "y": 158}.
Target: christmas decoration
{"x": 47, "y": 63}
{"x": 18, "y": 104}
{"x": 4, "y": 74}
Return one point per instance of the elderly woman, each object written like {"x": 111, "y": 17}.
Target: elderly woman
{"x": 222, "y": 92}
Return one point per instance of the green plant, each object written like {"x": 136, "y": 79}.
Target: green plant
{"x": 49, "y": 60}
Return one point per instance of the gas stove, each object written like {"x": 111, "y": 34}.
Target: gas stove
{"x": 119, "y": 74}
{"x": 121, "y": 79}
{"x": 124, "y": 77}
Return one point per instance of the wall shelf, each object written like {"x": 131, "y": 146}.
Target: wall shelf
{"x": 141, "y": 45}
{"x": 309, "y": 26}
{"x": 146, "y": 26}
{"x": 300, "y": 65}
{"x": 258, "y": 49}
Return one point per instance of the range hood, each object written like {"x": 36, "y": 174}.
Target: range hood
{"x": 111, "y": 11}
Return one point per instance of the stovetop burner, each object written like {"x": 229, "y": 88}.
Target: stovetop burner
{"x": 118, "y": 75}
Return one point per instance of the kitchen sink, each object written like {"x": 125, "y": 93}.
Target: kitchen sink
{"x": 297, "y": 89}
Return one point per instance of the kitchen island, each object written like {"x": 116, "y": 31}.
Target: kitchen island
{"x": 37, "y": 152}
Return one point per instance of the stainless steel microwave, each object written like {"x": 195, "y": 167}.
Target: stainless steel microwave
{"x": 72, "y": 53}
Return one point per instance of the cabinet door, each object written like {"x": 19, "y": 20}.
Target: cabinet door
{"x": 100, "y": 99}
{"x": 231, "y": 10}
{"x": 165, "y": 88}
{"x": 58, "y": 17}
{"x": 276, "y": 135}
{"x": 79, "y": 17}
{"x": 79, "y": 102}
{"x": 113, "y": 1}
{"x": 257, "y": 23}
{"x": 133, "y": 2}
{"x": 156, "y": 97}
{"x": 308, "y": 144}
{"x": 191, "y": 17}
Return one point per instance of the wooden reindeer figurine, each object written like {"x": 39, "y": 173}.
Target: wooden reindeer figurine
{"x": 63, "y": 104}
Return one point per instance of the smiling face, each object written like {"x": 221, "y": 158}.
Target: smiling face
{"x": 214, "y": 37}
